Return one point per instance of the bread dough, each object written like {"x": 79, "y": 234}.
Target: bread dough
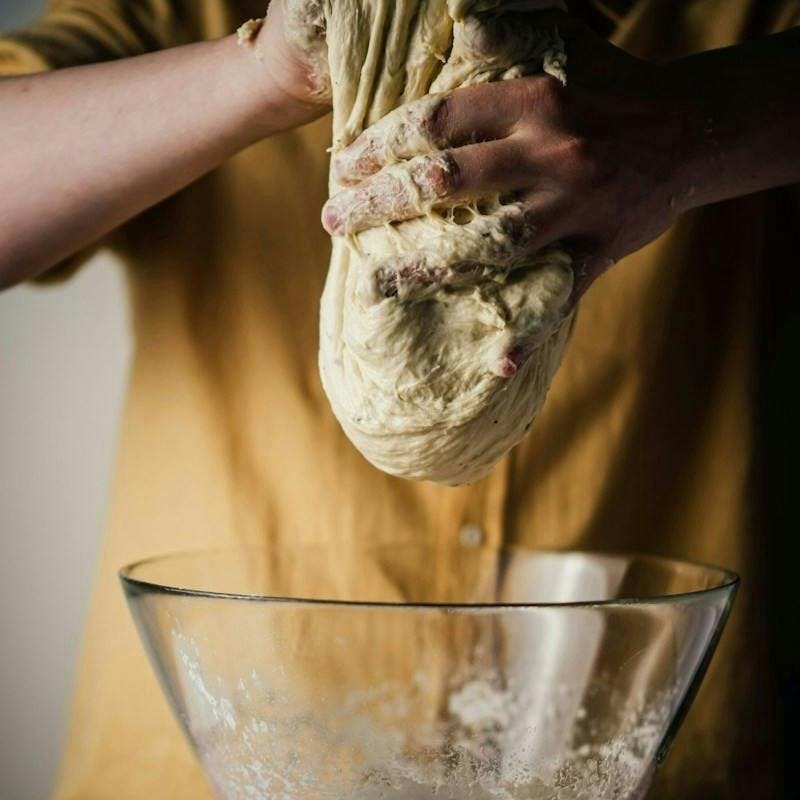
{"x": 438, "y": 339}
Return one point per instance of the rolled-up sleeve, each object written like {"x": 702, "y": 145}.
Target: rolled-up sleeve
{"x": 75, "y": 32}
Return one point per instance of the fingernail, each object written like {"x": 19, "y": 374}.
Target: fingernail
{"x": 331, "y": 219}
{"x": 508, "y": 365}
{"x": 505, "y": 368}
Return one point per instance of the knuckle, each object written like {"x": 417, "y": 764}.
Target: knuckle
{"x": 436, "y": 176}
{"x": 579, "y": 154}
{"x": 393, "y": 130}
{"x": 358, "y": 161}
{"x": 540, "y": 97}
{"x": 553, "y": 89}
{"x": 436, "y": 122}
{"x": 548, "y": 95}
{"x": 521, "y": 97}
{"x": 451, "y": 175}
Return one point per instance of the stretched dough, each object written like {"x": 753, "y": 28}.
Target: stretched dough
{"x": 423, "y": 323}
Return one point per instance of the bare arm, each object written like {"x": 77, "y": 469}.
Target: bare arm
{"x": 748, "y": 99}
{"x": 84, "y": 149}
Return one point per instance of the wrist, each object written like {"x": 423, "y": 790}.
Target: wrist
{"x": 269, "y": 107}
{"x": 283, "y": 78}
{"x": 280, "y": 109}
{"x": 742, "y": 118}
{"x": 696, "y": 168}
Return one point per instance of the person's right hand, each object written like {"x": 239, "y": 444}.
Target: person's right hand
{"x": 600, "y": 166}
{"x": 595, "y": 166}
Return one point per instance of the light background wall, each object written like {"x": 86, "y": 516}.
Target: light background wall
{"x": 63, "y": 358}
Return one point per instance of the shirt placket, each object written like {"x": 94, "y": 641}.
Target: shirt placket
{"x": 472, "y": 521}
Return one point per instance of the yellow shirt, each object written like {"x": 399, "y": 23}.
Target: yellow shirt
{"x": 646, "y": 442}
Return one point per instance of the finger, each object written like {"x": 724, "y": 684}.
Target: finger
{"x": 487, "y": 248}
{"x": 552, "y": 272}
{"x": 412, "y": 188}
{"x": 516, "y": 356}
{"x": 417, "y": 276}
{"x": 473, "y": 114}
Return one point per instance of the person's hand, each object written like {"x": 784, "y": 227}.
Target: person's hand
{"x": 596, "y": 164}
{"x": 290, "y": 45}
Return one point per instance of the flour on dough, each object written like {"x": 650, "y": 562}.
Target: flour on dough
{"x": 438, "y": 343}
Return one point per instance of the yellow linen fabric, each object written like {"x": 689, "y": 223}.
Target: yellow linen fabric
{"x": 646, "y": 442}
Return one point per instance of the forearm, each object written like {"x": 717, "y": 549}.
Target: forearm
{"x": 745, "y": 118}
{"x": 83, "y": 150}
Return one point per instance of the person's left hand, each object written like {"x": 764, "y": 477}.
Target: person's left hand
{"x": 598, "y": 164}
{"x": 290, "y": 46}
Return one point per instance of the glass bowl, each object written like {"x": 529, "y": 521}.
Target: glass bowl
{"x": 450, "y": 674}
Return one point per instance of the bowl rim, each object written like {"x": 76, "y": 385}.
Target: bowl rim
{"x": 729, "y": 584}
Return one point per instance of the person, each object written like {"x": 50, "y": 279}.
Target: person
{"x": 187, "y": 161}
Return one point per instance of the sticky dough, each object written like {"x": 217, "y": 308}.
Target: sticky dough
{"x": 418, "y": 318}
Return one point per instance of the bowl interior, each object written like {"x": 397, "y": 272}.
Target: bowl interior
{"x": 460, "y": 674}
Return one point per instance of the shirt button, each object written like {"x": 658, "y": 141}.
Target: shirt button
{"x": 471, "y": 535}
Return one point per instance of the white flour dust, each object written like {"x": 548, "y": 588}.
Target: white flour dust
{"x": 258, "y": 742}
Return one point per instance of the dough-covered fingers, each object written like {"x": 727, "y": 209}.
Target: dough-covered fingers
{"x": 487, "y": 248}
{"x": 463, "y": 116}
{"x": 412, "y": 188}
{"x": 397, "y": 193}
{"x": 416, "y": 276}
{"x": 406, "y": 132}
